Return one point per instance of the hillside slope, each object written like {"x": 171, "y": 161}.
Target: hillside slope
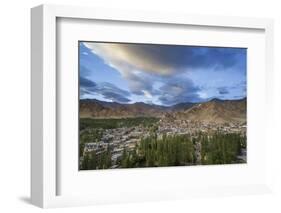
{"x": 215, "y": 110}
{"x": 218, "y": 111}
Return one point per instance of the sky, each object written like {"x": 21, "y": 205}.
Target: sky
{"x": 161, "y": 74}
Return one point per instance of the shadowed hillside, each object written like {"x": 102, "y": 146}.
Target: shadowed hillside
{"x": 218, "y": 111}
{"x": 92, "y": 108}
{"x": 215, "y": 110}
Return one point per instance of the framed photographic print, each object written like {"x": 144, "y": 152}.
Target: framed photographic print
{"x": 151, "y": 106}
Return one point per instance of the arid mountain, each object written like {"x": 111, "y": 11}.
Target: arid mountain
{"x": 218, "y": 111}
{"x": 215, "y": 110}
{"x": 101, "y": 109}
{"x": 182, "y": 106}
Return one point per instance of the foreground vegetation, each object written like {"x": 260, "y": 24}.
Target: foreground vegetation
{"x": 112, "y": 123}
{"x": 174, "y": 150}
{"x": 221, "y": 148}
{"x": 168, "y": 151}
{"x": 91, "y": 130}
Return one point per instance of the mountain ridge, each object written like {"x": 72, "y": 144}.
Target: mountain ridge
{"x": 214, "y": 110}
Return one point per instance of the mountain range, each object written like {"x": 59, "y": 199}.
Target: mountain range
{"x": 215, "y": 110}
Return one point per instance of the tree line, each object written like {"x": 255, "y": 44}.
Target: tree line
{"x": 112, "y": 123}
{"x": 173, "y": 150}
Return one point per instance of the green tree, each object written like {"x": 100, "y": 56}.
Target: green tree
{"x": 85, "y": 162}
{"x": 92, "y": 161}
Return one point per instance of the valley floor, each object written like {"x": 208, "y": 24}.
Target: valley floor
{"x": 154, "y": 142}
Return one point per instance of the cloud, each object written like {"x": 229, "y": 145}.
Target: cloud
{"x": 106, "y": 90}
{"x": 223, "y": 90}
{"x": 242, "y": 85}
{"x": 140, "y": 83}
{"x": 164, "y": 59}
{"x": 179, "y": 91}
{"x": 84, "y": 71}
{"x": 115, "y": 97}
{"x": 86, "y": 83}
{"x": 142, "y": 66}
{"x": 112, "y": 92}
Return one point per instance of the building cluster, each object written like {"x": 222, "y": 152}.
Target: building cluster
{"x": 118, "y": 139}
{"x": 193, "y": 127}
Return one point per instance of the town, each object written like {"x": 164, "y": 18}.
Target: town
{"x": 116, "y": 140}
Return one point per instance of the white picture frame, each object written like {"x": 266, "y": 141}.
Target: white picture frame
{"x": 44, "y": 153}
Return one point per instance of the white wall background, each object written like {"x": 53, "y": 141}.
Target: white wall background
{"x": 15, "y": 104}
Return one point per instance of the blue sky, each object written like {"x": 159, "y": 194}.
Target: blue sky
{"x": 160, "y": 74}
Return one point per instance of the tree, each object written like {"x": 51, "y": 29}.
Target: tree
{"x": 93, "y": 161}
{"x": 124, "y": 161}
{"x": 85, "y": 162}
